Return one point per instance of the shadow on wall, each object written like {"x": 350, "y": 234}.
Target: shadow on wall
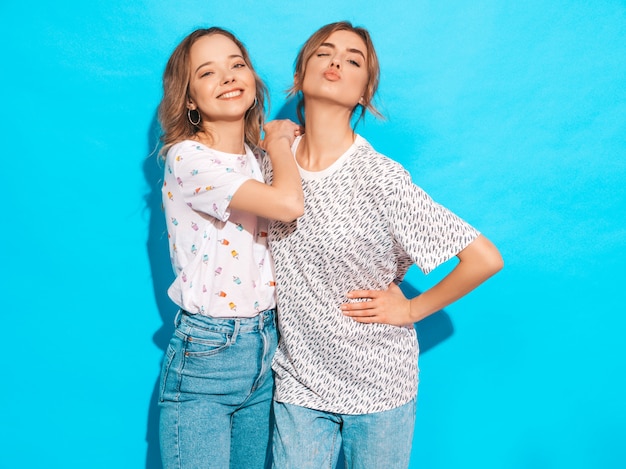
{"x": 162, "y": 277}
{"x": 430, "y": 331}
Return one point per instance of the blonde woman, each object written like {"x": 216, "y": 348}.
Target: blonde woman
{"x": 216, "y": 380}
{"x": 346, "y": 371}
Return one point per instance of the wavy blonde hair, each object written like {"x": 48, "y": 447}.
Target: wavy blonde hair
{"x": 173, "y": 118}
{"x": 310, "y": 47}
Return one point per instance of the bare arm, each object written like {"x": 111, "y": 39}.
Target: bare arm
{"x": 283, "y": 200}
{"x": 477, "y": 262}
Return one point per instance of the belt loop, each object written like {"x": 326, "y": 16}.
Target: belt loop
{"x": 233, "y": 339}
{"x": 177, "y": 317}
{"x": 261, "y": 320}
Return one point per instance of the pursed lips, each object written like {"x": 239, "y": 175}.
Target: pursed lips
{"x": 331, "y": 75}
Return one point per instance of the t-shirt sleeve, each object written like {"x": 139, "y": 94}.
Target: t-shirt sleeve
{"x": 207, "y": 180}
{"x": 429, "y": 233}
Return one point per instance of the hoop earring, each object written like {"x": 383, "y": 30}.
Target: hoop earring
{"x": 189, "y": 117}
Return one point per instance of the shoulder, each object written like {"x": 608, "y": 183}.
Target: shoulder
{"x": 376, "y": 164}
{"x": 189, "y": 155}
{"x": 182, "y": 152}
{"x": 186, "y": 148}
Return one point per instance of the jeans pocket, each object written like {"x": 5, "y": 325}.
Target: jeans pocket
{"x": 165, "y": 371}
{"x": 203, "y": 342}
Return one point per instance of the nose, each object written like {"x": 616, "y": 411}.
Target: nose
{"x": 335, "y": 62}
{"x": 227, "y": 78}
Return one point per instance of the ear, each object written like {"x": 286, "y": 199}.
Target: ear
{"x": 190, "y": 104}
{"x": 362, "y": 101}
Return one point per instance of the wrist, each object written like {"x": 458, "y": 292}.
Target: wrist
{"x": 411, "y": 314}
{"x": 415, "y": 312}
{"x": 278, "y": 143}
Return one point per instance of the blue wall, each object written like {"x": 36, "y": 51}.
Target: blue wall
{"x": 513, "y": 114}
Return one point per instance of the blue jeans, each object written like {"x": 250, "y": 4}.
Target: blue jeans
{"x": 307, "y": 438}
{"x": 216, "y": 392}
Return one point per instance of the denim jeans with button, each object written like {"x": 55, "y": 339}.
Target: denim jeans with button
{"x": 215, "y": 392}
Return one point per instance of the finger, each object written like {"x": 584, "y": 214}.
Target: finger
{"x": 357, "y": 307}
{"x": 366, "y": 304}
{"x": 359, "y": 312}
{"x": 362, "y": 294}
{"x": 366, "y": 319}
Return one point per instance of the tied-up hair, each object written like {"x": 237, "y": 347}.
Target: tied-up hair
{"x": 310, "y": 47}
{"x": 175, "y": 124}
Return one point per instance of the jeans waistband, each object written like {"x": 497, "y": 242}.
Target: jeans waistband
{"x": 256, "y": 323}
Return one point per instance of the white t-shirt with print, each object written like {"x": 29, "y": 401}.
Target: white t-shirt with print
{"x": 220, "y": 256}
{"x": 365, "y": 223}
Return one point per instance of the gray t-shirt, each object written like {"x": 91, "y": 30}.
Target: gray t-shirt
{"x": 365, "y": 223}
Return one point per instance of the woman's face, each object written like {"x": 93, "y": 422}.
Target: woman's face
{"x": 337, "y": 71}
{"x": 222, "y": 86}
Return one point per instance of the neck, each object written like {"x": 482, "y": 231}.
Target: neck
{"x": 227, "y": 137}
{"x": 328, "y": 135}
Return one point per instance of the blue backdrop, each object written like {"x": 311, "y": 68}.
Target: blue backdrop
{"x": 512, "y": 114}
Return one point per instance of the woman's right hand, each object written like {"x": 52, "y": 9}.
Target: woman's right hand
{"x": 282, "y": 199}
{"x": 278, "y": 130}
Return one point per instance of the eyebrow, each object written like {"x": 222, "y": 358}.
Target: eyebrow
{"x": 233, "y": 56}
{"x": 353, "y": 50}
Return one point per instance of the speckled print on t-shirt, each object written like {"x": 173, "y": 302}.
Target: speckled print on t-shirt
{"x": 365, "y": 224}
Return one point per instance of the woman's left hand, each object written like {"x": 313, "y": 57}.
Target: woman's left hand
{"x": 380, "y": 306}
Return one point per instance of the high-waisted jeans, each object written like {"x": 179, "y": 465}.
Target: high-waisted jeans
{"x": 216, "y": 392}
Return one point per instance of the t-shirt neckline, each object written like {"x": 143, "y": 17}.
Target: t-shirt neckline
{"x": 332, "y": 169}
